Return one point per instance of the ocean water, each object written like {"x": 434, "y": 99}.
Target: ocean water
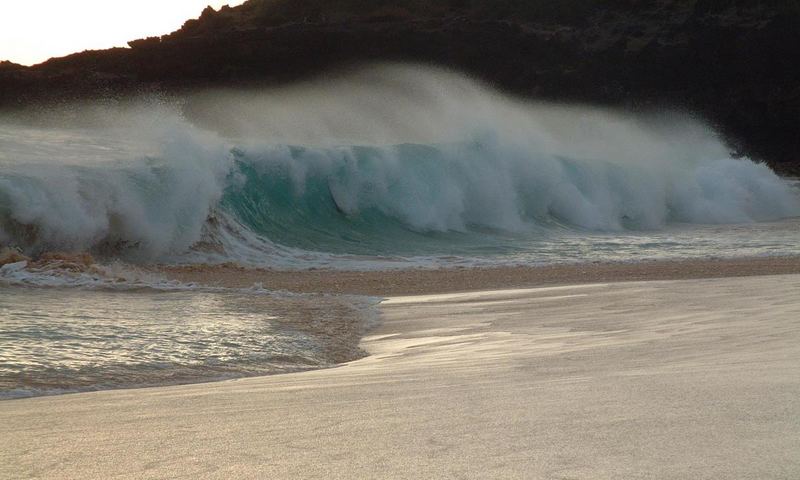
{"x": 72, "y": 340}
{"x": 391, "y": 167}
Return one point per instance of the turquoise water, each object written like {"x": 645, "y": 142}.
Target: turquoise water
{"x": 428, "y": 169}
{"x": 473, "y": 202}
{"x": 346, "y": 211}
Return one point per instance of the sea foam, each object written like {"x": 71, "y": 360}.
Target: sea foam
{"x": 356, "y": 164}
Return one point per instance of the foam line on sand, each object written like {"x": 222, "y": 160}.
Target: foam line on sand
{"x": 663, "y": 379}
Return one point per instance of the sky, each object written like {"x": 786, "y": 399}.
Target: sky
{"x": 31, "y": 31}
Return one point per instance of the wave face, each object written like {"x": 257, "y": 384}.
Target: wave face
{"x": 388, "y": 161}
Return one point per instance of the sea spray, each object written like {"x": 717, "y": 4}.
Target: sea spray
{"x": 392, "y": 160}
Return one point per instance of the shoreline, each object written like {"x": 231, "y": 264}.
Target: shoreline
{"x": 382, "y": 283}
{"x": 476, "y": 281}
{"x": 630, "y": 379}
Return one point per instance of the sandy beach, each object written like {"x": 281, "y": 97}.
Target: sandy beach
{"x": 448, "y": 280}
{"x": 690, "y": 378}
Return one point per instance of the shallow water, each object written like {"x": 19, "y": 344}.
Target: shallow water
{"x": 558, "y": 245}
{"x": 69, "y": 340}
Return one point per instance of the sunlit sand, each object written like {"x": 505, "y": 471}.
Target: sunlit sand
{"x": 666, "y": 379}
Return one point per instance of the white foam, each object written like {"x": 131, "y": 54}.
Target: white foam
{"x": 143, "y": 179}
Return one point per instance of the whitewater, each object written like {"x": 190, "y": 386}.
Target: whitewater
{"x": 416, "y": 166}
{"x": 386, "y": 167}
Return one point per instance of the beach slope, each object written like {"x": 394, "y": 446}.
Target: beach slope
{"x": 662, "y": 379}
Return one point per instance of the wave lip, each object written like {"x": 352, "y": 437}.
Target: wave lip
{"x": 429, "y": 161}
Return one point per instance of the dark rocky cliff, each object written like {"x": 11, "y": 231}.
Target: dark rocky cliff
{"x": 733, "y": 61}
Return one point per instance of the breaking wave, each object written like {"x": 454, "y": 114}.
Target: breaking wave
{"x": 389, "y": 161}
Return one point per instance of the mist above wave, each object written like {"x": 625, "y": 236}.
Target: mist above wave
{"x": 377, "y": 154}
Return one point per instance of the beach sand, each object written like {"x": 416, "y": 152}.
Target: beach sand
{"x": 694, "y": 378}
{"x": 422, "y": 281}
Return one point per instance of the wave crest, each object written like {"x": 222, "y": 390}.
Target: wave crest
{"x": 149, "y": 182}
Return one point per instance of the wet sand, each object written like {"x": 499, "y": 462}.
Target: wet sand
{"x": 418, "y": 281}
{"x": 636, "y": 380}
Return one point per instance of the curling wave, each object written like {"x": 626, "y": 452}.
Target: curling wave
{"x": 392, "y": 161}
